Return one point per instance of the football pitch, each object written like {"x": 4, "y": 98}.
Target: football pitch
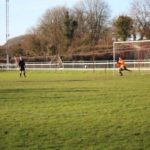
{"x": 74, "y": 110}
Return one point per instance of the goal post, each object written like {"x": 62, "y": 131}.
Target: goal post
{"x": 135, "y": 52}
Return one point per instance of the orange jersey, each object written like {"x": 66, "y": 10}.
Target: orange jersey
{"x": 120, "y": 63}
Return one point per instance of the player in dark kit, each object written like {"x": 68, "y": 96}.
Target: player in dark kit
{"x": 22, "y": 67}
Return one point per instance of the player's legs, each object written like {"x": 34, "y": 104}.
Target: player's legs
{"x": 120, "y": 71}
{"x": 24, "y": 73}
{"x": 125, "y": 68}
{"x": 20, "y": 72}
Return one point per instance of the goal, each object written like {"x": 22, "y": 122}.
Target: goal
{"x": 135, "y": 53}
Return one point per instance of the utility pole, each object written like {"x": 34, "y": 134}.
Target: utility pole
{"x": 7, "y": 33}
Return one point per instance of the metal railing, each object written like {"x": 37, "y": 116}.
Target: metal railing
{"x": 84, "y": 65}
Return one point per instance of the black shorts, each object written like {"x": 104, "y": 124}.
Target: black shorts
{"x": 22, "y": 69}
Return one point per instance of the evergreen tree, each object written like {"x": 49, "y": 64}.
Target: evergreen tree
{"x": 123, "y": 27}
{"x": 70, "y": 25}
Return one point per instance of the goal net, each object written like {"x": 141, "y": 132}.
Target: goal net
{"x": 135, "y": 53}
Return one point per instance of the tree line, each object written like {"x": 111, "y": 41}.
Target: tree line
{"x": 86, "y": 29}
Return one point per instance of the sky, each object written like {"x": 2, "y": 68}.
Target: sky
{"x": 24, "y": 14}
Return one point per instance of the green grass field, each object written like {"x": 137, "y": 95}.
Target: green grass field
{"x": 74, "y": 110}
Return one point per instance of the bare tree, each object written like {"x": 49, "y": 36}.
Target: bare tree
{"x": 80, "y": 17}
{"x": 140, "y": 11}
{"x": 96, "y": 14}
{"x": 50, "y": 29}
{"x": 87, "y": 21}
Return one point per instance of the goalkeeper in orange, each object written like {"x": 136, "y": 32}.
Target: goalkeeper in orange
{"x": 122, "y": 66}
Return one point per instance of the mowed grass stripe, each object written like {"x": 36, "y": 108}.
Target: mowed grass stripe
{"x": 74, "y": 110}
